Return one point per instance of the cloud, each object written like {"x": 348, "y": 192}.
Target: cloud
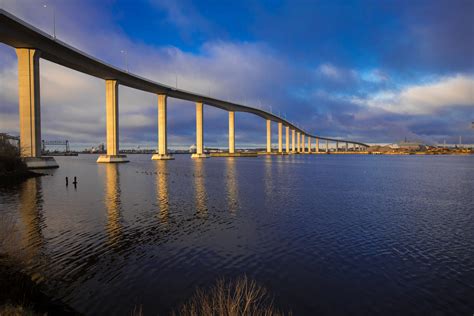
{"x": 429, "y": 98}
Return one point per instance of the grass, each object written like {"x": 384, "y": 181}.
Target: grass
{"x": 230, "y": 298}
{"x": 16, "y": 310}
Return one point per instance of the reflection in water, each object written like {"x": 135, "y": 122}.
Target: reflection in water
{"x": 31, "y": 206}
{"x": 112, "y": 203}
{"x": 200, "y": 189}
{"x": 161, "y": 168}
{"x": 232, "y": 193}
{"x": 268, "y": 178}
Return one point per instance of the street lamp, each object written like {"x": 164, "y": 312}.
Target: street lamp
{"x": 126, "y": 58}
{"x": 54, "y": 19}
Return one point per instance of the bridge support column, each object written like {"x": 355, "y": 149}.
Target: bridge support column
{"x": 303, "y": 145}
{"x": 112, "y": 123}
{"x": 337, "y": 146}
{"x": 199, "y": 132}
{"x": 269, "y": 136}
{"x": 162, "y": 153}
{"x": 287, "y": 139}
{"x": 347, "y": 146}
{"x": 317, "y": 145}
{"x": 309, "y": 145}
{"x": 327, "y": 146}
{"x": 29, "y": 109}
{"x": 280, "y": 136}
{"x": 231, "y": 132}
{"x": 298, "y": 138}
{"x": 293, "y": 136}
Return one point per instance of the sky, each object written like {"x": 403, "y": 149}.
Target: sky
{"x": 374, "y": 71}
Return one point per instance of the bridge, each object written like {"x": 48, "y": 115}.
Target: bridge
{"x": 31, "y": 44}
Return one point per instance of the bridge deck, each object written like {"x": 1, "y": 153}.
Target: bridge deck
{"x": 19, "y": 34}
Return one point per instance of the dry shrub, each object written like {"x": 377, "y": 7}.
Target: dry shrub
{"x": 16, "y": 310}
{"x": 230, "y": 298}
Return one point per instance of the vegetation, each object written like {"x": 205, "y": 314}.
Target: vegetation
{"x": 230, "y": 298}
{"x": 12, "y": 168}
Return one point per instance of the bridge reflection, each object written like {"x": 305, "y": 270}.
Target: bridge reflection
{"x": 199, "y": 188}
{"x": 113, "y": 203}
{"x": 231, "y": 184}
{"x": 162, "y": 196}
{"x": 30, "y": 209}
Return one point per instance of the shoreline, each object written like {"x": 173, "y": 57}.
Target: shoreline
{"x": 20, "y": 293}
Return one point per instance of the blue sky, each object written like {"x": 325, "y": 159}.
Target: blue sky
{"x": 372, "y": 71}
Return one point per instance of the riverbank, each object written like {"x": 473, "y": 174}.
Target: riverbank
{"x": 20, "y": 295}
{"x": 14, "y": 170}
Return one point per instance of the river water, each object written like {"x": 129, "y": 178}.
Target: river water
{"x": 326, "y": 234}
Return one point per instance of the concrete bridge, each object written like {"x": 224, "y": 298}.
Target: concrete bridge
{"x": 32, "y": 44}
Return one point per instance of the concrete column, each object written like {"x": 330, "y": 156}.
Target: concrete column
{"x": 162, "y": 153}
{"x": 309, "y": 145}
{"x": 199, "y": 132}
{"x": 111, "y": 108}
{"x": 317, "y": 145}
{"x": 337, "y": 146}
{"x": 303, "y": 145}
{"x": 347, "y": 146}
{"x": 112, "y": 123}
{"x": 293, "y": 136}
{"x": 287, "y": 139}
{"x": 269, "y": 136}
{"x": 280, "y": 136}
{"x": 29, "y": 102}
{"x": 231, "y": 132}
{"x": 327, "y": 146}
{"x": 298, "y": 137}
{"x": 29, "y": 106}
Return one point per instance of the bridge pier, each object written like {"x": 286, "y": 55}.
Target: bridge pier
{"x": 162, "y": 153}
{"x": 269, "y": 136}
{"x": 293, "y": 136}
{"x": 280, "y": 136}
{"x": 287, "y": 139}
{"x": 199, "y": 133}
{"x": 112, "y": 124}
{"x": 337, "y": 146}
{"x": 317, "y": 145}
{"x": 347, "y": 146}
{"x": 309, "y": 145}
{"x": 327, "y": 146}
{"x": 303, "y": 145}
{"x": 29, "y": 103}
{"x": 231, "y": 132}
{"x": 298, "y": 138}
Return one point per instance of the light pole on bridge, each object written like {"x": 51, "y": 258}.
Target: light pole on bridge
{"x": 54, "y": 19}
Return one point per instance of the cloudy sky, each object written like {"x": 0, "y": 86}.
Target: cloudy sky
{"x": 372, "y": 71}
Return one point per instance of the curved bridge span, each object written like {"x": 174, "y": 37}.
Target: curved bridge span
{"x": 31, "y": 44}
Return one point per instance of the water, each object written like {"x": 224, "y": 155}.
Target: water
{"x": 325, "y": 234}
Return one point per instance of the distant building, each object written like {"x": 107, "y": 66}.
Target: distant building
{"x": 407, "y": 145}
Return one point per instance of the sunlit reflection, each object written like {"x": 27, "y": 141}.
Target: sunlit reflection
{"x": 30, "y": 209}
{"x": 112, "y": 203}
{"x": 199, "y": 187}
{"x": 268, "y": 177}
{"x": 231, "y": 183}
{"x": 162, "y": 190}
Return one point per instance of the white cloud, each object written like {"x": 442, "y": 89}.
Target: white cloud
{"x": 425, "y": 98}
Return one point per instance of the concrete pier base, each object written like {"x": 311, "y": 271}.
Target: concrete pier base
{"x": 162, "y": 157}
{"x": 112, "y": 159}
{"x": 197, "y": 156}
{"x": 40, "y": 162}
